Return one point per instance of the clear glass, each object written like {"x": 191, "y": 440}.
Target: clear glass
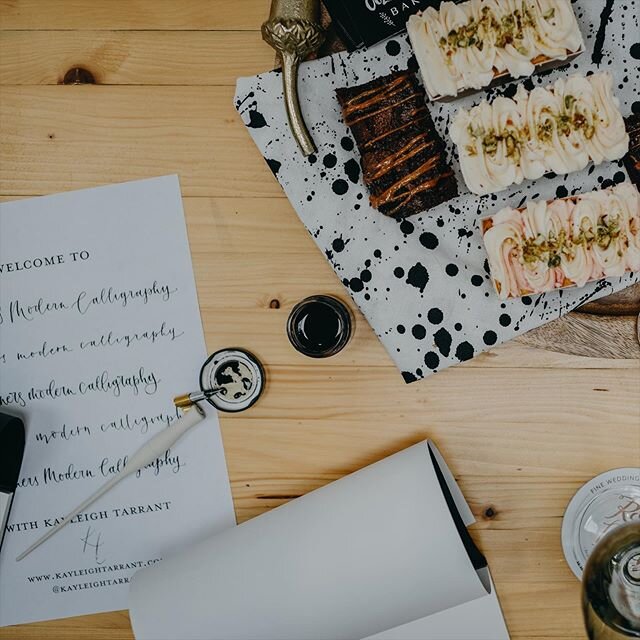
{"x": 611, "y": 585}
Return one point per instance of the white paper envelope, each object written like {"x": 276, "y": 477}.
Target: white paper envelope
{"x": 382, "y": 548}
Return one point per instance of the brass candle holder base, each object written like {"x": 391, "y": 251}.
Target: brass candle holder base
{"x": 293, "y": 30}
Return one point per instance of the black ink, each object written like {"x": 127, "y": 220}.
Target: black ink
{"x": 605, "y": 16}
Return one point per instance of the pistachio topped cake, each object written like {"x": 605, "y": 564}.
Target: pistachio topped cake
{"x": 465, "y": 45}
{"x": 560, "y": 129}
{"x": 564, "y": 243}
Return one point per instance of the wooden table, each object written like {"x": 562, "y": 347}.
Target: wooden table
{"x": 521, "y": 428}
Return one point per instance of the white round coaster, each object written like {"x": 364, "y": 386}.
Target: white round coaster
{"x": 599, "y": 506}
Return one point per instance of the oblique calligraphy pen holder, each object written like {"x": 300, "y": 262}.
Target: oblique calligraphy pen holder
{"x": 293, "y": 30}
{"x": 231, "y": 380}
{"x": 145, "y": 455}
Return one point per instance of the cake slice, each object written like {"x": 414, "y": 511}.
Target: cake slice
{"x": 560, "y": 129}
{"x": 564, "y": 243}
{"x": 470, "y": 45}
{"x": 403, "y": 158}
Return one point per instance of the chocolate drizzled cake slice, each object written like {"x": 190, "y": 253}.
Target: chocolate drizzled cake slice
{"x": 632, "y": 159}
{"x": 403, "y": 157}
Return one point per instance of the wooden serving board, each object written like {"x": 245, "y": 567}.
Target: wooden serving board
{"x": 606, "y": 328}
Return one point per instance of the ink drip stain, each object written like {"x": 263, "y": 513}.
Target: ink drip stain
{"x": 235, "y": 379}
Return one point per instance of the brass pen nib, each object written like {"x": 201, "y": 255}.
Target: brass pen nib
{"x": 189, "y": 399}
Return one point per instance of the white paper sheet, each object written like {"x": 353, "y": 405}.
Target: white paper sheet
{"x": 93, "y": 375}
{"x": 367, "y": 553}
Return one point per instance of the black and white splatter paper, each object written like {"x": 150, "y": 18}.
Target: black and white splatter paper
{"x": 423, "y": 283}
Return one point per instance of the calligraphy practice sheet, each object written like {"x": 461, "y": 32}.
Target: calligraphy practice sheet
{"x": 99, "y": 330}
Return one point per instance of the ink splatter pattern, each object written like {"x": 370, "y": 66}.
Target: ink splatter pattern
{"x": 423, "y": 283}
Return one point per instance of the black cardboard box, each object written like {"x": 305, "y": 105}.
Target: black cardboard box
{"x": 366, "y": 22}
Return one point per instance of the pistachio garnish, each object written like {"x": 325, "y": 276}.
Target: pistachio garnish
{"x": 545, "y": 131}
{"x": 554, "y": 260}
{"x": 490, "y": 143}
{"x": 552, "y": 248}
{"x": 504, "y": 30}
{"x": 565, "y": 123}
{"x": 511, "y": 145}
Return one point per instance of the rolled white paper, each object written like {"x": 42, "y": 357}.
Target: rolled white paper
{"x": 369, "y": 552}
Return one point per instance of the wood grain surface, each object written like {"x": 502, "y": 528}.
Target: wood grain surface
{"x": 608, "y": 327}
{"x": 589, "y": 334}
{"x": 625, "y": 302}
{"x": 522, "y": 428}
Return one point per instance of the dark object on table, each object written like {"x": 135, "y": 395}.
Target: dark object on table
{"x": 334, "y": 40}
{"x": 632, "y": 159}
{"x": 294, "y": 31}
{"x": 403, "y": 157}
{"x": 319, "y": 326}
{"x": 367, "y": 22}
{"x": 11, "y": 451}
{"x": 236, "y": 376}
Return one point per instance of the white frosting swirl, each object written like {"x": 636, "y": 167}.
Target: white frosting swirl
{"x": 630, "y": 201}
{"x": 556, "y": 30}
{"x": 581, "y": 266}
{"x": 610, "y": 255}
{"x": 502, "y": 241}
{"x": 463, "y": 46}
{"x": 567, "y": 242}
{"x": 560, "y": 128}
{"x": 610, "y": 141}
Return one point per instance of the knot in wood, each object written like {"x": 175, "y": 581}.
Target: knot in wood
{"x": 78, "y": 75}
{"x": 490, "y": 513}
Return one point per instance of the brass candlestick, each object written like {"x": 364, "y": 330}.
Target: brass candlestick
{"x": 294, "y": 31}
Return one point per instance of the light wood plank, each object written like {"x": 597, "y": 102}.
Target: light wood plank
{"x": 524, "y": 484}
{"x": 459, "y": 394}
{"x": 543, "y": 611}
{"x": 535, "y": 465}
{"x": 133, "y": 14}
{"x": 266, "y": 328}
{"x": 102, "y": 626}
{"x": 58, "y": 138}
{"x": 133, "y": 57}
